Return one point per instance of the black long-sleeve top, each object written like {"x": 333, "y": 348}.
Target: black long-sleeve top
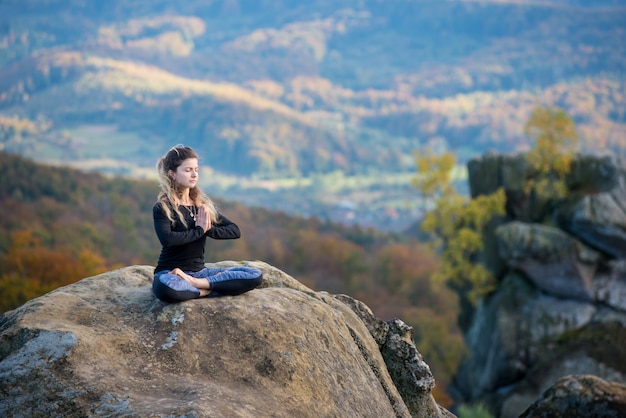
{"x": 183, "y": 247}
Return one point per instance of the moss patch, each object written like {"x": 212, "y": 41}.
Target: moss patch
{"x": 604, "y": 342}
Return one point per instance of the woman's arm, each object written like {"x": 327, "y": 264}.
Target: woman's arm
{"x": 164, "y": 232}
{"x": 224, "y": 228}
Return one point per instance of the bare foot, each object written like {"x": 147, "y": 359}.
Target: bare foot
{"x": 203, "y": 285}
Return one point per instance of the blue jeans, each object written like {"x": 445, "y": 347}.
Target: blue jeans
{"x": 225, "y": 281}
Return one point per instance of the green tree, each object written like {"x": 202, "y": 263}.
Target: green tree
{"x": 456, "y": 224}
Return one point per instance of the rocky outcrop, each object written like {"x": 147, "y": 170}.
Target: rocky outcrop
{"x": 598, "y": 220}
{"x": 560, "y": 306}
{"x": 105, "y": 346}
{"x": 551, "y": 259}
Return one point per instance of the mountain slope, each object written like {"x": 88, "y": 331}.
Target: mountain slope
{"x": 357, "y": 65}
{"x": 277, "y": 88}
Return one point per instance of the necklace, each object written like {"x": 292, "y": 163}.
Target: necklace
{"x": 192, "y": 211}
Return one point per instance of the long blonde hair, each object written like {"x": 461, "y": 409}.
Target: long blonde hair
{"x": 170, "y": 196}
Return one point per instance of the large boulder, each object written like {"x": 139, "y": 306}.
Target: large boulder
{"x": 599, "y": 220}
{"x": 610, "y": 285}
{"x": 589, "y": 176}
{"x": 509, "y": 333}
{"x": 594, "y": 349}
{"x": 522, "y": 340}
{"x": 580, "y": 396}
{"x": 554, "y": 261}
{"x": 560, "y": 265}
{"x": 493, "y": 171}
{"x": 592, "y": 174}
{"x": 105, "y": 346}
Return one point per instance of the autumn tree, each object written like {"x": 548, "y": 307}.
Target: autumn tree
{"x": 28, "y": 269}
{"x": 550, "y": 159}
{"x": 456, "y": 223}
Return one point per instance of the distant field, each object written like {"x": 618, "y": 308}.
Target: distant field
{"x": 106, "y": 141}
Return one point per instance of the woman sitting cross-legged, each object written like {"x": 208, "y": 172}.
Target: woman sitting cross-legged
{"x": 183, "y": 218}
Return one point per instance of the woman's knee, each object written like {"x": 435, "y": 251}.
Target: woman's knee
{"x": 171, "y": 288}
{"x": 236, "y": 281}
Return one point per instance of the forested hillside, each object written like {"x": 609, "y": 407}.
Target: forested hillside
{"x": 59, "y": 225}
{"x": 289, "y": 87}
{"x": 276, "y": 89}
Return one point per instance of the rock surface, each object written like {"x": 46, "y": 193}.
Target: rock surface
{"x": 551, "y": 259}
{"x": 580, "y": 397}
{"x": 560, "y": 305}
{"x": 598, "y": 220}
{"x": 105, "y": 346}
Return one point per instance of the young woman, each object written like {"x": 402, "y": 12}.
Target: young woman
{"x": 183, "y": 219}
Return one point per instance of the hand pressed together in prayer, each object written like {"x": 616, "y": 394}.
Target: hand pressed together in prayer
{"x": 203, "y": 219}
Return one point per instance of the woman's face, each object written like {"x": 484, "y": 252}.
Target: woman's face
{"x": 186, "y": 174}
